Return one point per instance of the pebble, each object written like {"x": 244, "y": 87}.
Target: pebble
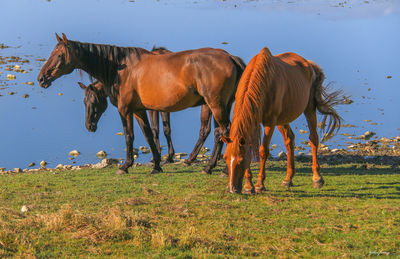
{"x": 60, "y": 166}
{"x": 43, "y": 163}
{"x": 25, "y": 208}
{"x": 101, "y": 154}
{"x": 74, "y": 153}
{"x": 17, "y": 170}
{"x": 119, "y": 133}
{"x": 32, "y": 164}
{"x": 25, "y": 96}
{"x": 303, "y": 131}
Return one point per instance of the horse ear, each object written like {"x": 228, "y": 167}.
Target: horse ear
{"x": 82, "y": 85}
{"x": 241, "y": 141}
{"x": 65, "y": 40}
{"x": 58, "y": 38}
{"x": 226, "y": 140}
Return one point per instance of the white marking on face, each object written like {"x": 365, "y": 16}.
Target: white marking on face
{"x": 231, "y": 176}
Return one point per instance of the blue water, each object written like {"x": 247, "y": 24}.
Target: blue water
{"x": 357, "y": 45}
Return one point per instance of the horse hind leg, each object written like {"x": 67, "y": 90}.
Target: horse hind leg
{"x": 311, "y": 117}
{"x": 288, "y": 138}
{"x": 144, "y": 124}
{"x": 205, "y": 130}
{"x": 154, "y": 121}
{"x": 166, "y": 119}
{"x": 264, "y": 153}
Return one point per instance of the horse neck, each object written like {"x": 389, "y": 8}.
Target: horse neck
{"x": 103, "y": 61}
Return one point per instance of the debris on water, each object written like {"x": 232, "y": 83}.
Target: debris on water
{"x": 17, "y": 67}
{"x": 347, "y": 100}
{"x": 2, "y": 46}
{"x": 388, "y": 77}
{"x": 303, "y": 131}
{"x": 43, "y": 163}
{"x": 348, "y": 126}
{"x": 366, "y": 136}
{"x": 25, "y": 96}
{"x": 11, "y": 93}
{"x": 224, "y": 42}
{"x": 367, "y": 120}
{"x": 74, "y": 153}
{"x": 119, "y": 133}
{"x": 31, "y": 164}
{"x": 274, "y": 146}
{"x": 28, "y": 83}
{"x": 11, "y": 77}
{"x": 101, "y": 154}
{"x": 60, "y": 94}
{"x": 40, "y": 59}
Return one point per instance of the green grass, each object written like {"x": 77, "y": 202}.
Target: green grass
{"x": 182, "y": 213}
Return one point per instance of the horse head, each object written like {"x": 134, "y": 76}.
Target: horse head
{"x": 58, "y": 64}
{"x": 95, "y": 104}
{"x": 238, "y": 158}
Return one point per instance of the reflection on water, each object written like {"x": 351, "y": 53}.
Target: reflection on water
{"x": 355, "y": 42}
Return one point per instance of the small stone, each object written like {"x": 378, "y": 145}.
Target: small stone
{"x": 11, "y": 93}
{"x": 29, "y": 83}
{"x": 31, "y": 164}
{"x": 303, "y": 131}
{"x": 17, "y": 67}
{"x": 43, "y": 163}
{"x": 274, "y": 146}
{"x": 60, "y": 166}
{"x": 388, "y": 77}
{"x": 25, "y": 96}
{"x": 119, "y": 133}
{"x": 74, "y": 153}
{"x": 68, "y": 167}
{"x": 25, "y": 208}
{"x": 282, "y": 155}
{"x": 101, "y": 154}
{"x": 17, "y": 170}
{"x": 60, "y": 94}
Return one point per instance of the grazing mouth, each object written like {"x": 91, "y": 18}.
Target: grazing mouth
{"x": 92, "y": 128}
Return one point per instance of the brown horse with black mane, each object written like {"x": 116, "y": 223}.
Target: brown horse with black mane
{"x": 138, "y": 80}
{"x": 96, "y": 104}
{"x": 274, "y": 91}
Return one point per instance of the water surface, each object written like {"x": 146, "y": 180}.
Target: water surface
{"x": 356, "y": 43}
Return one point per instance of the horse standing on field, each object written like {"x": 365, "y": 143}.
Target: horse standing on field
{"x": 138, "y": 80}
{"x": 274, "y": 91}
{"x": 96, "y": 103}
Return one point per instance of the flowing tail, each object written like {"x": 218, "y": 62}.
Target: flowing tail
{"x": 325, "y": 103}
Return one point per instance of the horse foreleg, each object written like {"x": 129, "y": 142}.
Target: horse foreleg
{"x": 127, "y": 123}
{"x": 165, "y": 117}
{"x": 248, "y": 185}
{"x": 317, "y": 179}
{"x": 143, "y": 121}
{"x": 288, "y": 138}
{"x": 154, "y": 121}
{"x": 205, "y": 130}
{"x": 264, "y": 153}
{"x": 221, "y": 128}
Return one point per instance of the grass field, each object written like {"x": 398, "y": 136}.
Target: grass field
{"x": 182, "y": 213}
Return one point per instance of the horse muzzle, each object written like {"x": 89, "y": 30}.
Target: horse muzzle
{"x": 91, "y": 127}
{"x": 43, "y": 82}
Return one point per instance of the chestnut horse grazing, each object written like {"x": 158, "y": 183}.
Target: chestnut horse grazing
{"x": 138, "y": 80}
{"x": 274, "y": 91}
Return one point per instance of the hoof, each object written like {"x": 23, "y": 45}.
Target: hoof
{"x": 185, "y": 163}
{"x": 120, "y": 172}
{"x": 287, "y": 184}
{"x": 248, "y": 191}
{"x": 319, "y": 183}
{"x": 260, "y": 189}
{"x": 204, "y": 171}
{"x": 156, "y": 171}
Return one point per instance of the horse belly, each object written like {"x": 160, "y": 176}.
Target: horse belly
{"x": 170, "y": 99}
